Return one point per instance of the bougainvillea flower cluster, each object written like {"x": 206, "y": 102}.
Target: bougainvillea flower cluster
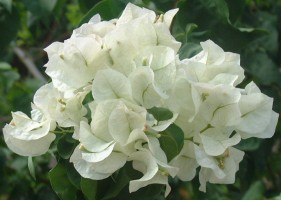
{"x": 131, "y": 70}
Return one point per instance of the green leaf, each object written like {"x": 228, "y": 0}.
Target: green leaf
{"x": 189, "y": 28}
{"x": 269, "y": 41}
{"x": 160, "y": 114}
{"x": 218, "y": 8}
{"x": 249, "y": 144}
{"x": 31, "y": 167}
{"x": 255, "y": 192}
{"x": 66, "y": 145}
{"x": 189, "y": 49}
{"x": 150, "y": 192}
{"x": 86, "y": 5}
{"x": 89, "y": 188}
{"x": 236, "y": 9}
{"x": 40, "y": 8}
{"x": 73, "y": 176}
{"x": 121, "y": 180}
{"x": 127, "y": 173}
{"x": 213, "y": 17}
{"x": 60, "y": 182}
{"x": 10, "y": 24}
{"x": 171, "y": 141}
{"x": 108, "y": 9}
{"x": 262, "y": 68}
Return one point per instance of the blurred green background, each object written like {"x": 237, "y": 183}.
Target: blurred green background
{"x": 249, "y": 27}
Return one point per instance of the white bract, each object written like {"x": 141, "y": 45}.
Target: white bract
{"x": 66, "y": 112}
{"x": 29, "y": 136}
{"x": 120, "y": 84}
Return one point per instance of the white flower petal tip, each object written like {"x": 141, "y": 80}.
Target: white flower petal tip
{"x": 29, "y": 137}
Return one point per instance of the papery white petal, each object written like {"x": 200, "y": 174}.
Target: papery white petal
{"x": 145, "y": 163}
{"x": 73, "y": 57}
{"x": 24, "y": 128}
{"x": 95, "y": 19}
{"x": 100, "y": 116}
{"x": 220, "y": 105}
{"x": 97, "y": 170}
{"x": 90, "y": 141}
{"x": 186, "y": 162}
{"x": 169, "y": 15}
{"x": 94, "y": 157}
{"x": 165, "y": 38}
{"x": 230, "y": 166}
{"x": 144, "y": 90}
{"x": 156, "y": 150}
{"x": 258, "y": 119}
{"x": 122, "y": 121}
{"x": 181, "y": 98}
{"x": 84, "y": 168}
{"x": 162, "y": 125}
{"x": 30, "y": 147}
{"x": 111, "y": 84}
{"x": 98, "y": 30}
{"x": 215, "y": 141}
{"x": 129, "y": 39}
{"x": 132, "y": 12}
{"x": 207, "y": 161}
{"x": 252, "y": 88}
{"x": 161, "y": 60}
{"x": 215, "y": 54}
{"x": 213, "y": 65}
{"x": 267, "y": 132}
{"x": 227, "y": 79}
{"x": 66, "y": 112}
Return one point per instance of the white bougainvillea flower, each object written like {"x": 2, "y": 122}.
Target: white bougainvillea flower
{"x": 111, "y": 84}
{"x": 132, "y": 12}
{"x": 123, "y": 123}
{"x": 112, "y": 123}
{"x": 219, "y": 106}
{"x": 162, "y": 61}
{"x": 216, "y": 141}
{"x": 29, "y": 136}
{"x": 210, "y": 106}
{"x": 137, "y": 29}
{"x": 124, "y": 119}
{"x": 258, "y": 119}
{"x": 100, "y": 169}
{"x": 158, "y": 126}
{"x": 115, "y": 119}
{"x": 126, "y": 40}
{"x": 94, "y": 28}
{"x": 145, "y": 92}
{"x": 162, "y": 28}
{"x": 161, "y": 23}
{"x": 77, "y": 55}
{"x": 185, "y": 161}
{"x": 153, "y": 170}
{"x": 220, "y": 169}
{"x": 66, "y": 112}
{"x": 185, "y": 100}
{"x": 213, "y": 65}
{"x": 116, "y": 131}
{"x": 95, "y": 148}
